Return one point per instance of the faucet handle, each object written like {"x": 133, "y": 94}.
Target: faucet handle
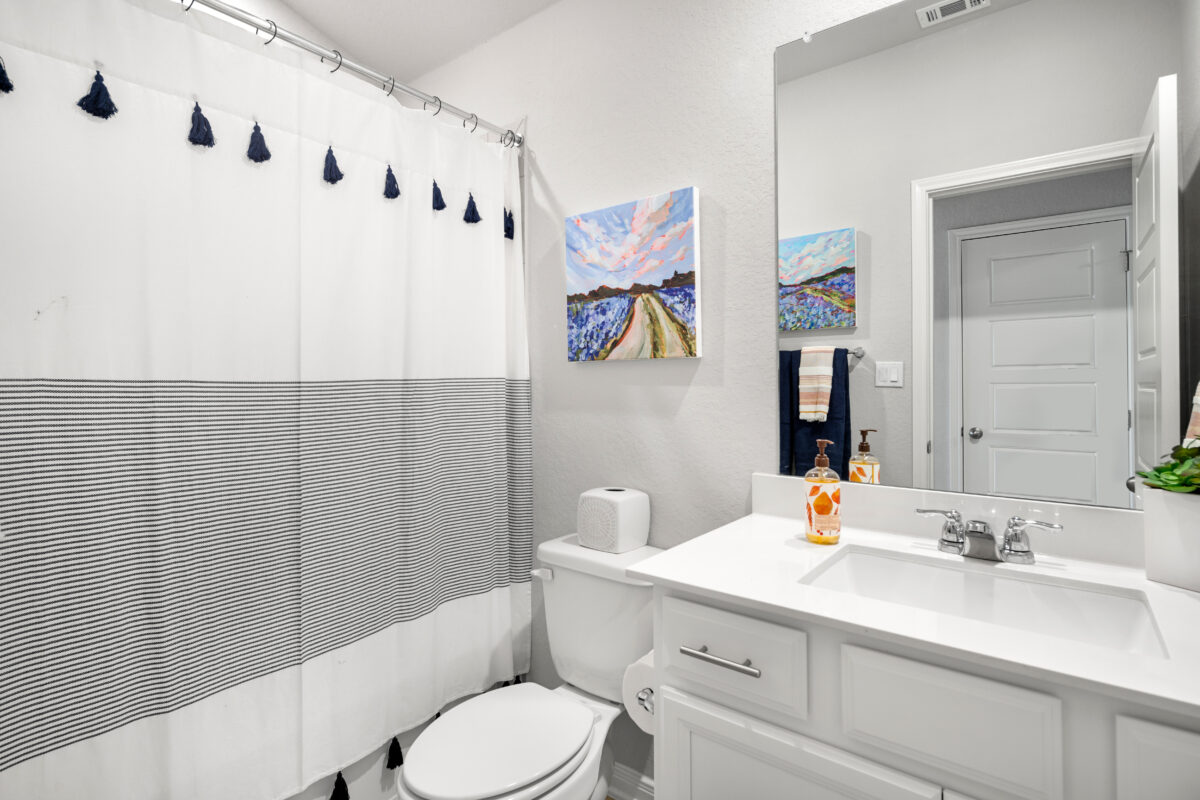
{"x": 1016, "y": 541}
{"x": 951, "y": 515}
{"x": 1018, "y": 524}
{"x": 952, "y": 529}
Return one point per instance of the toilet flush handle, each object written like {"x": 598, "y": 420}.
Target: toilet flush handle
{"x": 545, "y": 574}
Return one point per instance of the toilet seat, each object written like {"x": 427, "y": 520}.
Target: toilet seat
{"x": 515, "y": 743}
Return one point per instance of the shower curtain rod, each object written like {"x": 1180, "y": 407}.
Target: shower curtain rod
{"x": 387, "y": 83}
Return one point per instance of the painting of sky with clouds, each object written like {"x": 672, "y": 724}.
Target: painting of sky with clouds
{"x": 817, "y": 281}
{"x": 631, "y": 280}
{"x": 645, "y": 242}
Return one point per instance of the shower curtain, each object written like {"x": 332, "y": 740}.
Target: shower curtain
{"x": 265, "y": 481}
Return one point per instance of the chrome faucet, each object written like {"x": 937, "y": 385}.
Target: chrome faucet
{"x": 976, "y": 540}
{"x": 952, "y": 529}
{"x": 1016, "y": 541}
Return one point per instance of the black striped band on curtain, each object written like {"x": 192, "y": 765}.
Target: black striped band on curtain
{"x": 167, "y": 540}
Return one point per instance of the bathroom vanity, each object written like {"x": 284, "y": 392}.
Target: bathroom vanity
{"x": 882, "y": 667}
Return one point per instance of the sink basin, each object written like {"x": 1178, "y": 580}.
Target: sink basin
{"x": 1111, "y": 617}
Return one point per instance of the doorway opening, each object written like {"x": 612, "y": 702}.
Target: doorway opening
{"x": 1034, "y": 316}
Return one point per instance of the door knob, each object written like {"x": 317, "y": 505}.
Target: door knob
{"x": 1131, "y": 484}
{"x": 975, "y": 433}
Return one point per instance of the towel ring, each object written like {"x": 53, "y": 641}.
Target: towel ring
{"x": 392, "y": 88}
{"x": 339, "y": 66}
{"x": 473, "y": 116}
{"x": 439, "y": 102}
{"x": 274, "y": 32}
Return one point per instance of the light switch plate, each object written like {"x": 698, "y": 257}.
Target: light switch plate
{"x": 889, "y": 374}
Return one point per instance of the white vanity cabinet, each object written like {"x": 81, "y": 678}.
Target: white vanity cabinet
{"x": 714, "y": 753}
{"x": 753, "y": 705}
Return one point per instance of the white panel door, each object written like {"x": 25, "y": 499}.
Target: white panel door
{"x": 1155, "y": 266}
{"x": 707, "y": 752}
{"x": 1154, "y": 761}
{"x": 1045, "y": 364}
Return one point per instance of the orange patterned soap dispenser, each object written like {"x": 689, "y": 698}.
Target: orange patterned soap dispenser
{"x": 823, "y": 500}
{"x": 864, "y": 467}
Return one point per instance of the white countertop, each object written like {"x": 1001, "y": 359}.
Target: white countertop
{"x": 757, "y": 562}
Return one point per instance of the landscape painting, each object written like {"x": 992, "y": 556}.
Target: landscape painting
{"x": 816, "y": 281}
{"x": 632, "y": 291}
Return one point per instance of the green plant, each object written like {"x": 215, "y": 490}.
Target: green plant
{"x": 1180, "y": 474}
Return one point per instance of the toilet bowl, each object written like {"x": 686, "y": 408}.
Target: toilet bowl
{"x": 527, "y": 742}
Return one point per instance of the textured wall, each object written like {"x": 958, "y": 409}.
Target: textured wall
{"x": 624, "y": 99}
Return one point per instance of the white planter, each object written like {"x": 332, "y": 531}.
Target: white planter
{"x": 1172, "y": 523}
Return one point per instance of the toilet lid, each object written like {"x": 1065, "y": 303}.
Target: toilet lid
{"x": 496, "y": 743}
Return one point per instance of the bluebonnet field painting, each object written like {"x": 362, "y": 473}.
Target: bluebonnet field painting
{"x": 631, "y": 280}
{"x": 816, "y": 281}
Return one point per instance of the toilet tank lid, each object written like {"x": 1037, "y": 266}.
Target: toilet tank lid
{"x": 568, "y": 553}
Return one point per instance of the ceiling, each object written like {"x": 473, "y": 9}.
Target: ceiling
{"x": 408, "y": 38}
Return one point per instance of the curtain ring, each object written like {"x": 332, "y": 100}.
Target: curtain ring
{"x": 274, "y": 32}
{"x": 439, "y": 102}
{"x": 508, "y": 139}
{"x": 474, "y": 117}
{"x": 392, "y": 88}
{"x": 189, "y": 5}
{"x": 339, "y": 66}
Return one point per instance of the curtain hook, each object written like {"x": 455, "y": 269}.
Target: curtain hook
{"x": 189, "y": 5}
{"x": 474, "y": 117}
{"x": 274, "y": 32}
{"x": 339, "y": 66}
{"x": 439, "y": 102}
{"x": 392, "y": 88}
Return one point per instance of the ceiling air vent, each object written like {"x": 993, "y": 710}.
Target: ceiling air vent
{"x": 940, "y": 12}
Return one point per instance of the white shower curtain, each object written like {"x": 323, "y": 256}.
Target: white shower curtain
{"x": 264, "y": 440}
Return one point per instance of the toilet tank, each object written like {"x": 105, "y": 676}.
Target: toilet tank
{"x": 598, "y": 620}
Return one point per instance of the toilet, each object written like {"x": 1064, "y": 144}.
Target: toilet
{"x": 526, "y": 742}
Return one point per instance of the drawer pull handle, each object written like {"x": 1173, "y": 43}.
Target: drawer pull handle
{"x": 744, "y": 668}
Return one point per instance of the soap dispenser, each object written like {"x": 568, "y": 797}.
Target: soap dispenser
{"x": 823, "y": 499}
{"x": 864, "y": 467}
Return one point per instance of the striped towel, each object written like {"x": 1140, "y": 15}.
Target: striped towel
{"x": 816, "y": 380}
{"x": 1193, "y": 429}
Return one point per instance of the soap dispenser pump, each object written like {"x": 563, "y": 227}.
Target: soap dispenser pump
{"x": 823, "y": 499}
{"x": 864, "y": 467}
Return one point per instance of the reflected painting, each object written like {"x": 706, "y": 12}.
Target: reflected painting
{"x": 816, "y": 281}
{"x": 632, "y": 291}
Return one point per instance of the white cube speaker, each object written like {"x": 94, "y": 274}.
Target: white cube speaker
{"x": 613, "y": 519}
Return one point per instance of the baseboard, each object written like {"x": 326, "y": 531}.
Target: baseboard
{"x": 629, "y": 784}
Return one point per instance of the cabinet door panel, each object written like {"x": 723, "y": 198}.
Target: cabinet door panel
{"x": 708, "y": 752}
{"x": 1156, "y": 761}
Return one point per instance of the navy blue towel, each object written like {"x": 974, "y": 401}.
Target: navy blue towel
{"x": 797, "y": 437}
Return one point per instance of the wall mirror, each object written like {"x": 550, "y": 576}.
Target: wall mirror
{"x": 1011, "y": 174}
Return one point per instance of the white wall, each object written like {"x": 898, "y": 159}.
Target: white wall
{"x": 625, "y": 99}
{"x": 1041, "y": 77}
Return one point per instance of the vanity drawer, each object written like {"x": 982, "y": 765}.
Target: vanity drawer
{"x": 1002, "y": 736}
{"x": 711, "y": 647}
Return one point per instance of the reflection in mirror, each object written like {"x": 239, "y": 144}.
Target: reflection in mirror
{"x": 1012, "y": 175}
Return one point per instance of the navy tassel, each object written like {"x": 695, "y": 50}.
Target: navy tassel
{"x": 340, "y": 790}
{"x": 510, "y": 227}
{"x": 5, "y": 84}
{"x": 438, "y": 202}
{"x": 395, "y": 754}
{"x": 97, "y": 101}
{"x": 391, "y": 190}
{"x": 472, "y": 213}
{"x": 201, "y": 132}
{"x": 258, "y": 151}
{"x": 332, "y": 173}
